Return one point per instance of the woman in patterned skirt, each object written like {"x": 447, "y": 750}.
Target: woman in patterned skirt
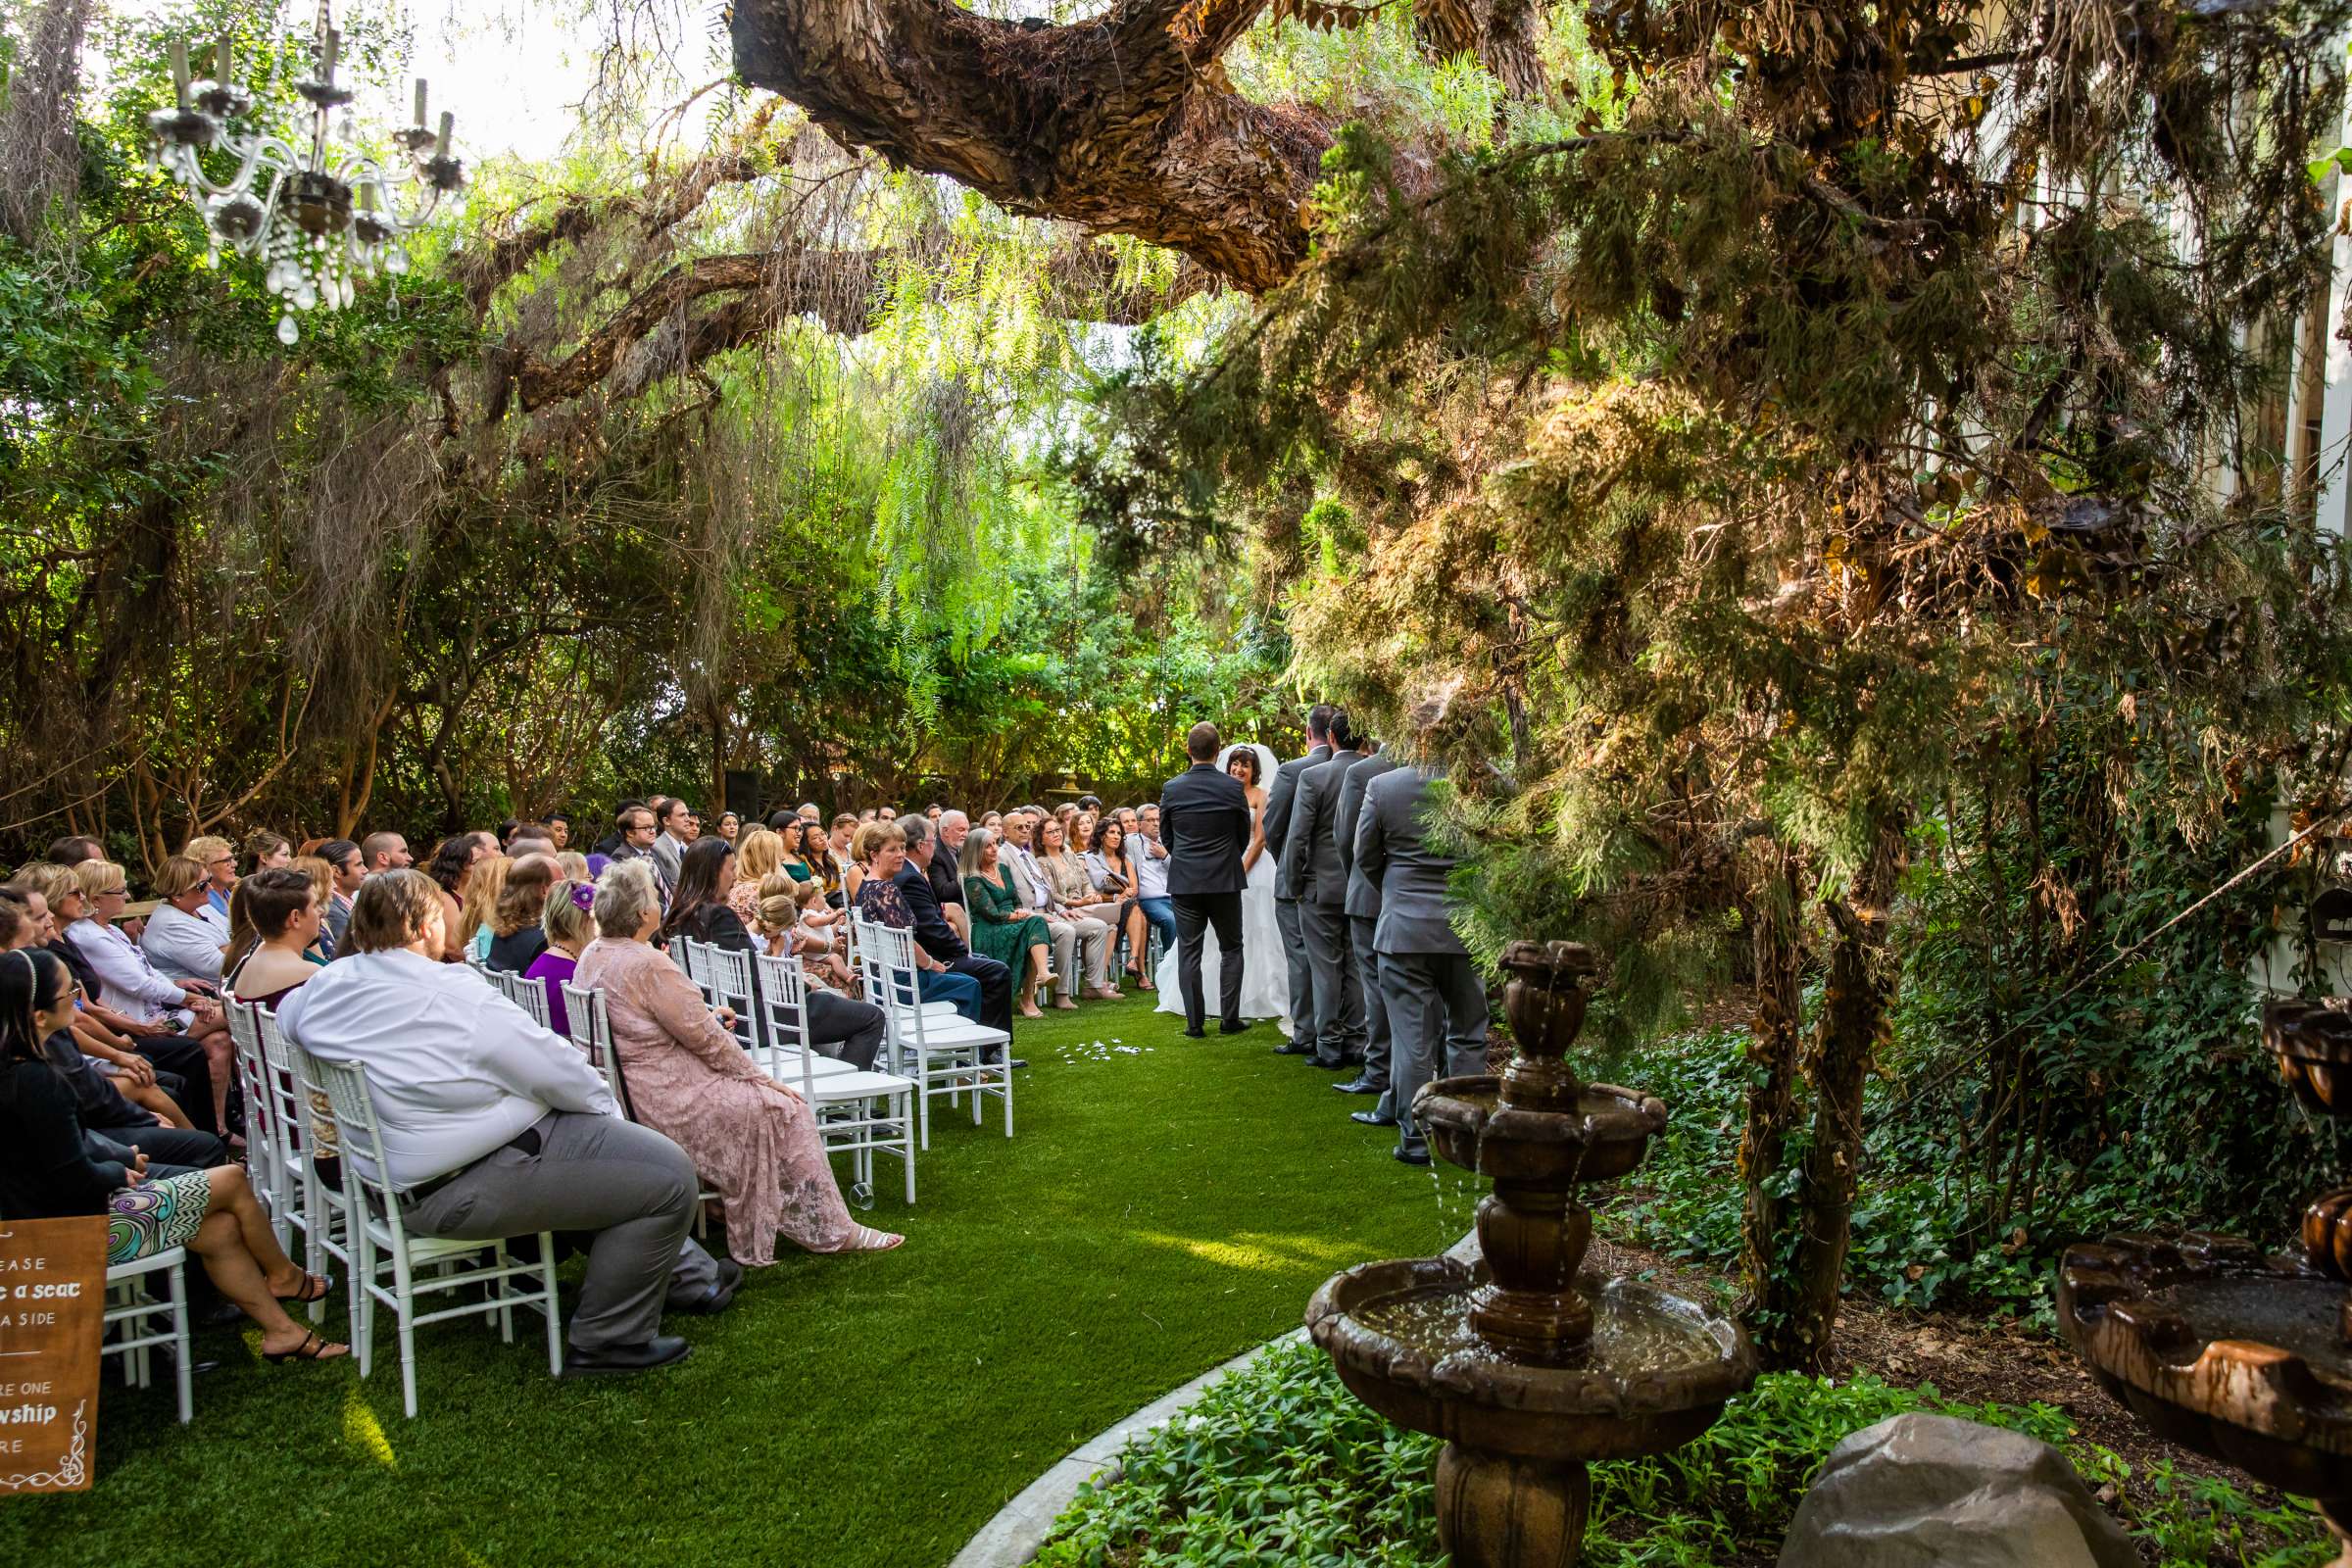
{"x": 46, "y": 1172}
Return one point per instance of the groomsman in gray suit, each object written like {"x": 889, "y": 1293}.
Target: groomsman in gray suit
{"x": 1435, "y": 997}
{"x": 1363, "y": 916}
{"x": 1319, "y": 878}
{"x": 1280, "y": 797}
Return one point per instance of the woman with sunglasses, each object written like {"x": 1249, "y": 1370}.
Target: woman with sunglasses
{"x": 130, "y": 985}
{"x": 47, "y": 1173}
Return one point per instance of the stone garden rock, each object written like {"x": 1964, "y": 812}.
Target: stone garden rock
{"x": 1921, "y": 1490}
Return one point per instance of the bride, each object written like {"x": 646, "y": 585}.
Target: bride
{"x": 1265, "y": 975}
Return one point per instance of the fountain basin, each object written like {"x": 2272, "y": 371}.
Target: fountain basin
{"x": 1604, "y": 1136}
{"x": 1657, "y": 1374}
{"x": 2221, "y": 1349}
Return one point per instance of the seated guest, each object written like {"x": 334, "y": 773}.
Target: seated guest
{"x": 516, "y": 937}
{"x": 843, "y": 876}
{"x": 282, "y": 908}
{"x": 46, "y": 1173}
{"x": 343, "y": 859}
{"x": 568, "y": 926}
{"x": 812, "y": 919}
{"x": 384, "y": 852}
{"x": 558, "y": 830}
{"x": 218, "y": 858}
{"x": 451, "y": 869}
{"x": 575, "y": 865}
{"x": 947, "y": 869}
{"x": 125, "y": 1092}
{"x": 153, "y": 1068}
{"x": 934, "y": 935}
{"x": 756, "y": 860}
{"x": 794, "y": 859}
{"x": 754, "y": 1140}
{"x": 991, "y": 820}
{"x": 129, "y": 984}
{"x": 730, "y": 826}
{"x": 74, "y": 848}
{"x": 1001, "y": 928}
{"x": 322, "y": 882}
{"x": 1083, "y": 903}
{"x": 480, "y": 904}
{"x": 702, "y": 912}
{"x": 881, "y": 855}
{"x": 1150, "y": 857}
{"x": 1115, "y": 875}
{"x": 808, "y": 813}
{"x": 494, "y": 1127}
{"x": 179, "y": 941}
{"x": 265, "y": 850}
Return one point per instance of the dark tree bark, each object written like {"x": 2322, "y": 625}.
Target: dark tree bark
{"x": 1122, "y": 124}
{"x": 1773, "y": 1050}
{"x": 1853, "y": 1014}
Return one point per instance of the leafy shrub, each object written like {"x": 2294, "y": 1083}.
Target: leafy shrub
{"x": 1279, "y": 1463}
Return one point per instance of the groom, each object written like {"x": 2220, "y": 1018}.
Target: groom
{"x": 1204, "y": 821}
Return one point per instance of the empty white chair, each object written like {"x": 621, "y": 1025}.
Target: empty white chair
{"x": 316, "y": 1207}
{"x": 944, "y": 1054}
{"x": 131, "y": 1309}
{"x": 420, "y": 1266}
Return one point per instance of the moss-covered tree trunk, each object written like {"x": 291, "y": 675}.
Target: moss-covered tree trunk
{"x": 1853, "y": 1013}
{"x": 1773, "y": 1051}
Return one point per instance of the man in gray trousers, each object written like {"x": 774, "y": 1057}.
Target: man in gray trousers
{"x": 1363, "y": 916}
{"x": 1318, "y": 878}
{"x": 1434, "y": 994}
{"x": 1279, "y": 800}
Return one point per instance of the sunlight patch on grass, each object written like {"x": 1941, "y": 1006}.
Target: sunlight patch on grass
{"x": 1245, "y": 1249}
{"x": 362, "y": 1431}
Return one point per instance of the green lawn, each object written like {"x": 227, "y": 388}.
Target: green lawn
{"x": 1157, "y": 1212}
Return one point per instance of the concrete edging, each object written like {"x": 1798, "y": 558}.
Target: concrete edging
{"x": 1019, "y": 1529}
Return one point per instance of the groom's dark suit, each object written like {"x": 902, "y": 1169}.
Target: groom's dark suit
{"x": 1204, "y": 821}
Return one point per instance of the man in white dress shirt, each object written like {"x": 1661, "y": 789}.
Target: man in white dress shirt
{"x": 494, "y": 1127}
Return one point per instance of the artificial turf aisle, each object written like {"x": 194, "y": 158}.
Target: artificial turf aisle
{"x": 1159, "y": 1211}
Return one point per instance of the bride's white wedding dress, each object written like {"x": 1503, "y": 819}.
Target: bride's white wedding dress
{"x": 1265, "y": 972}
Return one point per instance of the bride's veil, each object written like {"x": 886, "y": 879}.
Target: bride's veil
{"x": 1265, "y": 761}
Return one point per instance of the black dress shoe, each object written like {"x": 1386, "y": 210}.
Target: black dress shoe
{"x": 1405, "y": 1156}
{"x": 716, "y": 1298}
{"x": 1373, "y": 1118}
{"x": 1292, "y": 1048}
{"x": 1356, "y": 1086}
{"x": 1233, "y": 1028}
{"x": 660, "y": 1350}
{"x": 1196, "y": 1034}
{"x": 1320, "y": 1065}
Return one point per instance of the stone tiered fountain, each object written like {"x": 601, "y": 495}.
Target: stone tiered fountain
{"x": 1527, "y": 1367}
{"x": 2242, "y": 1357}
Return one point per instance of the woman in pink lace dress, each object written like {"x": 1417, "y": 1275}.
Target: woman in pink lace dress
{"x": 753, "y": 1139}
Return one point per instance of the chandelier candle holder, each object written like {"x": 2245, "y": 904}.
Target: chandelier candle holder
{"x": 321, "y": 219}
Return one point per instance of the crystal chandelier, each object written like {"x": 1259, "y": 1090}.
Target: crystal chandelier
{"x": 322, "y": 219}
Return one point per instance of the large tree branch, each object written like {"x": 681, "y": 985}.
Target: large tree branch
{"x": 1122, "y": 124}
{"x": 655, "y": 333}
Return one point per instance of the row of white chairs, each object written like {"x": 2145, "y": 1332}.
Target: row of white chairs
{"x": 292, "y": 1098}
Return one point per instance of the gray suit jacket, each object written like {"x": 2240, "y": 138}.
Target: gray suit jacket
{"x": 1279, "y": 800}
{"x": 1363, "y": 893}
{"x": 1310, "y": 860}
{"x": 668, "y": 854}
{"x": 1391, "y": 848}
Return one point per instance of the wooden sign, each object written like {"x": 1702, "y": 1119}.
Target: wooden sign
{"x": 52, "y": 1314}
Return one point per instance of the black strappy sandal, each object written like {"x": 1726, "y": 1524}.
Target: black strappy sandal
{"x": 311, "y": 1348}
{"x": 314, "y": 1288}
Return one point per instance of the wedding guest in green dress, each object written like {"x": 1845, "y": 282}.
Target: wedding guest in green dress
{"x": 1001, "y": 928}
{"x": 795, "y": 863}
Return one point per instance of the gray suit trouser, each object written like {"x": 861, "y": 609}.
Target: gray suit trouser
{"x": 1376, "y": 1010}
{"x": 630, "y": 1186}
{"x": 1339, "y": 998}
{"x": 1436, "y": 1004}
{"x": 1302, "y": 978}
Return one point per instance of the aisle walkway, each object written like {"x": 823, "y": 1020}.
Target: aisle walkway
{"x": 1165, "y": 1206}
